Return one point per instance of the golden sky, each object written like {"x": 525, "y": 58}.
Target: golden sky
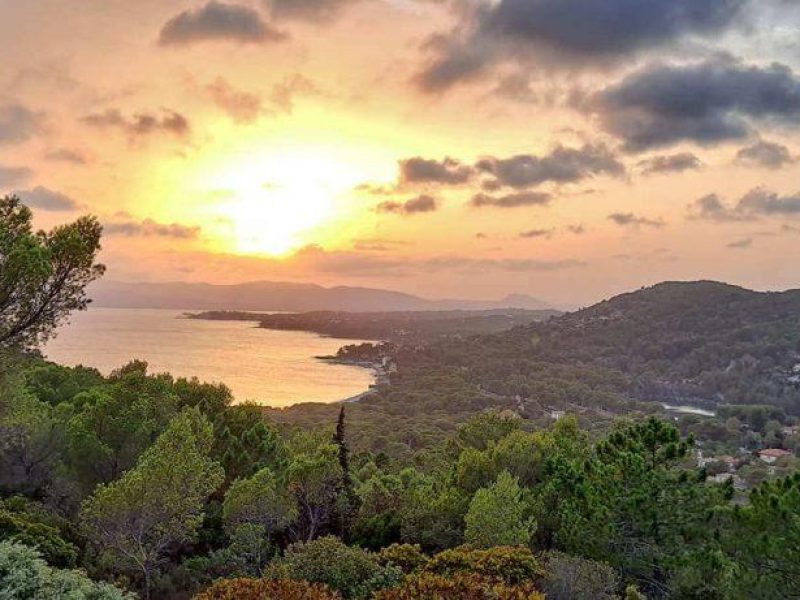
{"x": 568, "y": 149}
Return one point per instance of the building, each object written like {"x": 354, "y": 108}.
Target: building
{"x": 770, "y": 455}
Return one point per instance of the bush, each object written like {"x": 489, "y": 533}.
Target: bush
{"x": 408, "y": 557}
{"x": 265, "y": 589}
{"x": 25, "y": 576}
{"x": 506, "y": 564}
{"x": 574, "y": 578}
{"x": 463, "y": 586}
{"x": 25, "y": 529}
{"x": 329, "y": 561}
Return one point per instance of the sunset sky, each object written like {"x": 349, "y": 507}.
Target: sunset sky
{"x": 568, "y": 149}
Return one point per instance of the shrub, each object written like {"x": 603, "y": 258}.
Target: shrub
{"x": 25, "y": 576}
{"x": 506, "y": 564}
{"x": 408, "y": 557}
{"x": 329, "y": 561}
{"x": 464, "y": 586}
{"x": 265, "y": 589}
{"x": 574, "y": 578}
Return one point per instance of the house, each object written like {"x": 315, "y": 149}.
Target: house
{"x": 770, "y": 455}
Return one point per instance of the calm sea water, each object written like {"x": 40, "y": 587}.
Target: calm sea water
{"x": 275, "y": 368}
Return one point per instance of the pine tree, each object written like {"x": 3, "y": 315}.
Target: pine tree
{"x": 347, "y": 500}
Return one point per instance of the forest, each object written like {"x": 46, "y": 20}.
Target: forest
{"x": 455, "y": 479}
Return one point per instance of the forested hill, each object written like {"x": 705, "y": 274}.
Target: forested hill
{"x": 701, "y": 342}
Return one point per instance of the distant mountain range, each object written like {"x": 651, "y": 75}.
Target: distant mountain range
{"x": 282, "y": 296}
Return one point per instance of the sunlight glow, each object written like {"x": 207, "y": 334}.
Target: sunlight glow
{"x": 276, "y": 202}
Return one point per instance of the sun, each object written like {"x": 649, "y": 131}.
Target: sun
{"x": 274, "y": 219}
{"x": 274, "y": 204}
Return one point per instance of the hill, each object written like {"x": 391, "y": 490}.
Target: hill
{"x": 284, "y": 296}
{"x": 701, "y": 343}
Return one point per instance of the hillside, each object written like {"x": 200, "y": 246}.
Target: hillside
{"x": 701, "y": 343}
{"x": 284, "y": 296}
{"x": 395, "y": 326}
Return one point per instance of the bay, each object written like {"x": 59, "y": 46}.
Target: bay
{"x": 272, "y": 368}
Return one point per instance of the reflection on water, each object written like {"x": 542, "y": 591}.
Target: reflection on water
{"x": 275, "y": 368}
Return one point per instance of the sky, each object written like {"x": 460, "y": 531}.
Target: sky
{"x": 567, "y": 149}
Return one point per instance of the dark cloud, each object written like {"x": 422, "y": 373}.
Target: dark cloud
{"x": 420, "y": 204}
{"x": 19, "y": 123}
{"x": 242, "y": 107}
{"x": 218, "y": 21}
{"x": 530, "y": 198}
{"x": 150, "y": 228}
{"x": 561, "y": 165}
{"x": 421, "y": 170}
{"x": 672, "y": 163}
{"x": 576, "y": 229}
{"x": 536, "y": 233}
{"x": 631, "y": 220}
{"x": 317, "y": 11}
{"x": 741, "y": 244}
{"x": 140, "y": 124}
{"x": 765, "y": 154}
{"x": 707, "y": 103}
{"x": 713, "y": 208}
{"x": 10, "y": 176}
{"x": 47, "y": 199}
{"x": 569, "y": 33}
{"x": 763, "y": 202}
{"x": 67, "y": 155}
{"x": 753, "y": 205}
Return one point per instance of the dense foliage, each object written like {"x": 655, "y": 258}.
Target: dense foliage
{"x": 164, "y": 488}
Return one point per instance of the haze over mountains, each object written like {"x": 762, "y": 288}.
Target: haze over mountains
{"x": 284, "y": 296}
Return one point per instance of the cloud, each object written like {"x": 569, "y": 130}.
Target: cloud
{"x": 66, "y": 155}
{"x": 769, "y": 155}
{"x": 420, "y": 204}
{"x": 712, "y": 208}
{"x": 242, "y": 107}
{"x": 561, "y": 165}
{"x": 568, "y": 33}
{"x": 576, "y": 229}
{"x": 631, "y": 220}
{"x": 150, "y": 228}
{"x": 19, "y": 124}
{"x": 763, "y": 202}
{"x": 46, "y": 199}
{"x": 672, "y": 163}
{"x": 706, "y": 103}
{"x": 421, "y": 170}
{"x": 10, "y": 176}
{"x": 140, "y": 124}
{"x": 316, "y": 11}
{"x": 512, "y": 200}
{"x": 536, "y": 233}
{"x": 756, "y": 203}
{"x": 741, "y": 244}
{"x": 218, "y": 21}
{"x": 284, "y": 93}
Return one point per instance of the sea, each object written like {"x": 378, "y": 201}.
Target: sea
{"x": 271, "y": 368}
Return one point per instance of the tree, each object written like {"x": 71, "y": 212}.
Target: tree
{"x": 25, "y": 576}
{"x": 574, "y": 578}
{"x": 347, "y": 501}
{"x": 43, "y": 275}
{"x": 159, "y": 502}
{"x": 313, "y": 477}
{"x": 350, "y": 571}
{"x": 259, "y": 500}
{"x": 497, "y": 516}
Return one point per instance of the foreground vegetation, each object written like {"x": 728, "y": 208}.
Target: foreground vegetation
{"x": 143, "y": 484}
